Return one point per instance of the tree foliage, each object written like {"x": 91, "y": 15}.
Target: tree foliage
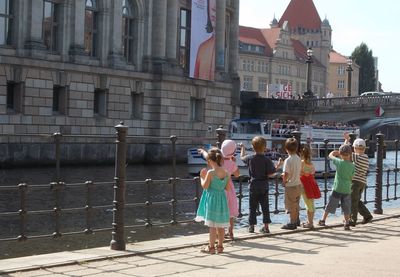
{"x": 364, "y": 58}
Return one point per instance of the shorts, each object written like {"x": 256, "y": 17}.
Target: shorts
{"x": 292, "y": 198}
{"x": 335, "y": 198}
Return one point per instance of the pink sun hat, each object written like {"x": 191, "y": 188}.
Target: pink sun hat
{"x": 228, "y": 148}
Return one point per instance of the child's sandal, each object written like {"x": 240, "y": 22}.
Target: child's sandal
{"x": 220, "y": 249}
{"x": 208, "y": 249}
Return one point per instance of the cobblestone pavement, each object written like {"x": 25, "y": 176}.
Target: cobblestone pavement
{"x": 366, "y": 250}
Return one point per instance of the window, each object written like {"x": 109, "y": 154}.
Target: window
{"x": 6, "y": 22}
{"x": 100, "y": 103}
{"x": 248, "y": 83}
{"x": 262, "y": 85}
{"x": 14, "y": 97}
{"x": 340, "y": 70}
{"x": 91, "y": 28}
{"x": 60, "y": 99}
{"x": 184, "y": 39}
{"x": 50, "y": 25}
{"x": 196, "y": 109}
{"x": 127, "y": 31}
{"x": 340, "y": 84}
{"x": 136, "y": 105}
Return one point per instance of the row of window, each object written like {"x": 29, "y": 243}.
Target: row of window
{"x": 51, "y": 35}
{"x": 312, "y": 43}
{"x": 60, "y": 99}
{"x": 254, "y": 66}
{"x": 258, "y": 49}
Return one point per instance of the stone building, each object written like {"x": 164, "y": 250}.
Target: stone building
{"x": 338, "y": 75}
{"x": 276, "y": 56}
{"x": 82, "y": 66}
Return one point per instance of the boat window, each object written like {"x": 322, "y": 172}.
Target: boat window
{"x": 266, "y": 127}
{"x": 249, "y": 128}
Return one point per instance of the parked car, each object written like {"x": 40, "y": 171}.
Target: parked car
{"x": 372, "y": 93}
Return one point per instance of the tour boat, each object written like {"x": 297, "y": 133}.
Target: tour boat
{"x": 275, "y": 133}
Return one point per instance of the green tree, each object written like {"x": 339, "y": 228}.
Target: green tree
{"x": 363, "y": 57}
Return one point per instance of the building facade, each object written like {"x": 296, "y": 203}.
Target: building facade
{"x": 275, "y": 58}
{"x": 82, "y": 66}
{"x": 339, "y": 76}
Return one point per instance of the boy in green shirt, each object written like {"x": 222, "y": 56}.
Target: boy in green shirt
{"x": 341, "y": 191}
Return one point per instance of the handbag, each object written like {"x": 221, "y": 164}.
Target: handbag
{"x": 311, "y": 188}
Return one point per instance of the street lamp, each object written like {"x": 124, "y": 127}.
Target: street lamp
{"x": 308, "y": 93}
{"x": 349, "y": 69}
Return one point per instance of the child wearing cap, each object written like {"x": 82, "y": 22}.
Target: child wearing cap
{"x": 341, "y": 191}
{"x": 228, "y": 149}
{"x": 361, "y": 163}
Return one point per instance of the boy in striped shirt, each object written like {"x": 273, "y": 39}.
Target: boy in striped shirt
{"x": 359, "y": 182}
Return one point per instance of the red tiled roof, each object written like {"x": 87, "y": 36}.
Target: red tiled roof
{"x": 271, "y": 36}
{"x": 254, "y": 36}
{"x": 336, "y": 57}
{"x": 301, "y": 13}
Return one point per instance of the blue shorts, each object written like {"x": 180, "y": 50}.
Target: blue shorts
{"x": 335, "y": 198}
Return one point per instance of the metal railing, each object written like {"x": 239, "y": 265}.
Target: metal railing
{"x": 150, "y": 207}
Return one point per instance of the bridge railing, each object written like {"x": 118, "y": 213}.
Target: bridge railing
{"x": 357, "y": 101}
{"x": 143, "y": 204}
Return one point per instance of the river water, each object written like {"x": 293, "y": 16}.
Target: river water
{"x": 43, "y": 199}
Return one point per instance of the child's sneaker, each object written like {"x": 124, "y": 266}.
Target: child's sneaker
{"x": 251, "y": 229}
{"x": 367, "y": 220}
{"x": 321, "y": 223}
{"x": 347, "y": 227}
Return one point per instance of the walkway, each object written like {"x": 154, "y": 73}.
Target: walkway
{"x": 367, "y": 250}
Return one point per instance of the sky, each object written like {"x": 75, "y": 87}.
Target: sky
{"x": 376, "y": 23}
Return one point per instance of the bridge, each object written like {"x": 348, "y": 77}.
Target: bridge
{"x": 360, "y": 110}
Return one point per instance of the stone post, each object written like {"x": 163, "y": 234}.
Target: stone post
{"x": 221, "y": 135}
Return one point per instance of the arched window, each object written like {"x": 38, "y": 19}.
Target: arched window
{"x": 6, "y": 21}
{"x": 91, "y": 28}
{"x": 127, "y": 30}
{"x": 50, "y": 25}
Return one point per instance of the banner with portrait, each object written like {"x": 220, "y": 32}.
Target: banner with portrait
{"x": 202, "y": 40}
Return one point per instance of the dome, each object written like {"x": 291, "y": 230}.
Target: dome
{"x": 325, "y": 23}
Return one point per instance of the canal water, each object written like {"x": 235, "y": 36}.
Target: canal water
{"x": 74, "y": 197}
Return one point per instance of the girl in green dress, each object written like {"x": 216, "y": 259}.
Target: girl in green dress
{"x": 213, "y": 207}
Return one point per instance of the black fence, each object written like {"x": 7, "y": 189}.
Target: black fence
{"x": 126, "y": 204}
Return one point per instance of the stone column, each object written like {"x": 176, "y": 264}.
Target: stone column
{"x": 78, "y": 29}
{"x": 234, "y": 37}
{"x": 159, "y": 29}
{"x": 220, "y": 35}
{"x": 65, "y": 29}
{"x": 35, "y": 20}
{"x": 172, "y": 30}
{"x": 115, "y": 56}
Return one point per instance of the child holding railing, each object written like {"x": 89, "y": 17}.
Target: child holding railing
{"x": 213, "y": 207}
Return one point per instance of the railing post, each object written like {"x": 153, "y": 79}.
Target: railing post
{"x": 57, "y": 141}
{"x": 379, "y": 173}
{"x": 118, "y": 233}
{"x": 327, "y": 171}
{"x": 221, "y": 135}
{"x": 22, "y": 212}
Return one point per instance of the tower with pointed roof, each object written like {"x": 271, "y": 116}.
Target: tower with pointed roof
{"x": 276, "y": 56}
{"x": 307, "y": 27}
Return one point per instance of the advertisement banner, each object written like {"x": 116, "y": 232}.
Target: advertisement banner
{"x": 202, "y": 41}
{"x": 279, "y": 91}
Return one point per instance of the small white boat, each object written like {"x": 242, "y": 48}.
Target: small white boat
{"x": 275, "y": 133}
